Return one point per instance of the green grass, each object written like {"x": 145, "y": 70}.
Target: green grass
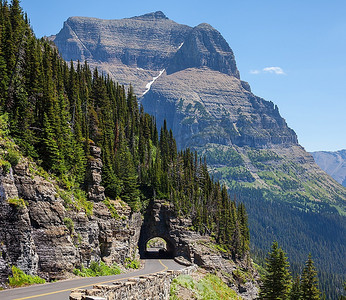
{"x": 227, "y": 156}
{"x": 19, "y": 278}
{"x": 97, "y": 269}
{"x": 209, "y": 287}
{"x": 18, "y": 202}
{"x": 262, "y": 156}
{"x": 283, "y": 181}
{"x": 213, "y": 246}
{"x": 262, "y": 271}
{"x": 236, "y": 174}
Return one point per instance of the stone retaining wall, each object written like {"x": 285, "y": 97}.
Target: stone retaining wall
{"x": 156, "y": 287}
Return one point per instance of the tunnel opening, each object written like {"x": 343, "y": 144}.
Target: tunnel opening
{"x": 158, "y": 247}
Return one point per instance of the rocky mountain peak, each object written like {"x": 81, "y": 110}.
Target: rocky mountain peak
{"x": 205, "y": 47}
{"x": 186, "y": 75}
{"x": 158, "y": 15}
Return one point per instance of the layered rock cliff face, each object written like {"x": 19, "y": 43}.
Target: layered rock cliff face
{"x": 41, "y": 234}
{"x": 131, "y": 50}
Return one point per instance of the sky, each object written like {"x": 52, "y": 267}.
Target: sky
{"x": 292, "y": 52}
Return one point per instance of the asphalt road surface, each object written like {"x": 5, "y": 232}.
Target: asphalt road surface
{"x": 61, "y": 290}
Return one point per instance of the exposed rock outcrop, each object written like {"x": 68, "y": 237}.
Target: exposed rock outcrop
{"x": 94, "y": 176}
{"x": 204, "y": 47}
{"x": 36, "y": 232}
{"x": 36, "y": 237}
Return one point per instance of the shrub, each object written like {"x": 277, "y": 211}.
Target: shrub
{"x": 12, "y": 157}
{"x": 3, "y": 125}
{"x": 19, "y": 278}
{"x": 97, "y": 269}
{"x": 69, "y": 224}
{"x": 209, "y": 287}
{"x": 5, "y": 165}
{"x": 240, "y": 275}
{"x": 76, "y": 199}
{"x": 132, "y": 263}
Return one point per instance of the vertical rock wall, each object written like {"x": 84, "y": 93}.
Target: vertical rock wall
{"x": 35, "y": 237}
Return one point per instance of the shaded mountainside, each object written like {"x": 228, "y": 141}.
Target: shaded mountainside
{"x": 333, "y": 163}
{"x": 188, "y": 76}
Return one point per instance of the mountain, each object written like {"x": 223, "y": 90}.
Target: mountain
{"x": 333, "y": 163}
{"x": 188, "y": 77}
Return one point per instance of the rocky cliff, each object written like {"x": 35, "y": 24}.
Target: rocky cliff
{"x": 44, "y": 230}
{"x": 333, "y": 163}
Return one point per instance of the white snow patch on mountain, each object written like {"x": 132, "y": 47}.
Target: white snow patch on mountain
{"x": 148, "y": 86}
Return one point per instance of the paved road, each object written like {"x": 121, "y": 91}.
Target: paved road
{"x": 61, "y": 290}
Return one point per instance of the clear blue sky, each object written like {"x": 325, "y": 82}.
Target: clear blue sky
{"x": 304, "y": 39}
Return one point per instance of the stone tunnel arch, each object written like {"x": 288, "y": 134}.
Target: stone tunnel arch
{"x": 159, "y": 221}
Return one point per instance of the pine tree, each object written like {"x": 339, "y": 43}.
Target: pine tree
{"x": 128, "y": 176}
{"x": 309, "y": 284}
{"x": 295, "y": 292}
{"x": 277, "y": 281}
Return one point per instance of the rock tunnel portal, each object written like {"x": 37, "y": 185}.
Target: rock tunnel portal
{"x": 159, "y": 226}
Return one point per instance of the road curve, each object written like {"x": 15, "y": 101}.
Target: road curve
{"x": 61, "y": 290}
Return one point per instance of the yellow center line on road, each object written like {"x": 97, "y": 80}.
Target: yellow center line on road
{"x": 84, "y": 286}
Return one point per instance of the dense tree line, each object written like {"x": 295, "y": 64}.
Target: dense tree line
{"x": 56, "y": 110}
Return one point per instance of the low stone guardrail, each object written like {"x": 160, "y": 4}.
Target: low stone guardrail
{"x": 155, "y": 287}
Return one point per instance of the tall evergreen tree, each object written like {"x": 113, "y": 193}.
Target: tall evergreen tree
{"x": 309, "y": 284}
{"x": 277, "y": 282}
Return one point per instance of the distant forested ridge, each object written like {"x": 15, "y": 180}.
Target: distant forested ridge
{"x": 55, "y": 110}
